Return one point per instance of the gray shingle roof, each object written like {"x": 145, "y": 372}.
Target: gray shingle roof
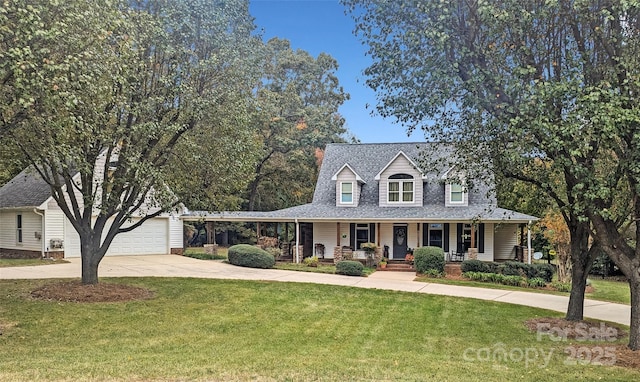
{"x": 27, "y": 189}
{"x": 367, "y": 160}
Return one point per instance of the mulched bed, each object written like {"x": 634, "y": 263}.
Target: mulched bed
{"x": 624, "y": 356}
{"x": 75, "y": 291}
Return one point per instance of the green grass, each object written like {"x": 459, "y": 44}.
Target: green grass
{"x": 229, "y": 330}
{"x": 609, "y": 290}
{"x": 28, "y": 262}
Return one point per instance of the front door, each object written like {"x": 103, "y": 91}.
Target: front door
{"x": 399, "y": 242}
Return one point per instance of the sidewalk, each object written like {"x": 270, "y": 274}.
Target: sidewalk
{"x": 180, "y": 266}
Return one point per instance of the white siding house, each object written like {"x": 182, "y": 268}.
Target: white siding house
{"x": 45, "y": 231}
{"x": 394, "y": 203}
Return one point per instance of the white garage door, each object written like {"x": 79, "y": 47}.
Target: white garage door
{"x": 151, "y": 238}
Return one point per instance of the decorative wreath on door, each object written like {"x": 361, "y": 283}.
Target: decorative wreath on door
{"x": 400, "y": 236}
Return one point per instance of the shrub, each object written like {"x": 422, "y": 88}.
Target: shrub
{"x": 273, "y": 251}
{"x": 536, "y": 282}
{"x": 311, "y": 261}
{"x": 492, "y": 267}
{"x": 246, "y": 255}
{"x": 426, "y": 258}
{"x": 204, "y": 256}
{"x": 544, "y": 271}
{"x": 514, "y": 280}
{"x": 433, "y": 273}
{"x": 561, "y": 287}
{"x": 471, "y": 275}
{"x": 495, "y": 278}
{"x": 512, "y": 268}
{"x": 474, "y": 266}
{"x": 349, "y": 268}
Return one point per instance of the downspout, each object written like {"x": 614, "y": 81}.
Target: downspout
{"x": 297, "y": 241}
{"x": 42, "y": 240}
{"x": 529, "y": 243}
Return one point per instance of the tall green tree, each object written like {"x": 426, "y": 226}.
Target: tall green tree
{"x": 99, "y": 96}
{"x": 516, "y": 85}
{"x": 296, "y": 112}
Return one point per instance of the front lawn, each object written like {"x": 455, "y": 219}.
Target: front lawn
{"x": 28, "y": 262}
{"x": 610, "y": 290}
{"x": 232, "y": 330}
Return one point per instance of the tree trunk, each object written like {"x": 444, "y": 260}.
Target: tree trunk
{"x": 634, "y": 328}
{"x": 581, "y": 261}
{"x": 575, "y": 309}
{"x": 89, "y": 269}
{"x": 91, "y": 254}
{"x": 253, "y": 194}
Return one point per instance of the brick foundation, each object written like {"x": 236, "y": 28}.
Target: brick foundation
{"x": 177, "y": 251}
{"x": 58, "y": 255}
{"x": 7, "y": 253}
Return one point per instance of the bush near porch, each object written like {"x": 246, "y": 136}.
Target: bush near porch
{"x": 510, "y": 268}
{"x": 428, "y": 259}
{"x": 246, "y": 255}
{"x": 349, "y": 268}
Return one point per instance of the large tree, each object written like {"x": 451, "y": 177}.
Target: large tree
{"x": 516, "y": 85}
{"x": 99, "y": 94}
{"x": 296, "y": 112}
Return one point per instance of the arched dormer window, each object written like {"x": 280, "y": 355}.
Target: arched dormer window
{"x": 401, "y": 188}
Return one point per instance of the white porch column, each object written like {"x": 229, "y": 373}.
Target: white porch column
{"x": 297, "y": 241}
{"x": 529, "y": 242}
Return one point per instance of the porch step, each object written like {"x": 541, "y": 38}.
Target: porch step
{"x": 397, "y": 266}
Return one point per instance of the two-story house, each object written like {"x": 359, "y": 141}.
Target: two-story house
{"x": 379, "y": 193}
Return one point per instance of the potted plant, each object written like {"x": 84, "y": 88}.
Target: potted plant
{"x": 409, "y": 258}
{"x": 369, "y": 248}
{"x": 383, "y": 263}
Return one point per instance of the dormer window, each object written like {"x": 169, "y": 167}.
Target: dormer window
{"x": 401, "y": 188}
{"x": 346, "y": 192}
{"x": 457, "y": 193}
{"x": 348, "y": 187}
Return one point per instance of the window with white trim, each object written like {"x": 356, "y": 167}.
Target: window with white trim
{"x": 363, "y": 235}
{"x": 346, "y": 193}
{"x": 457, "y": 193}
{"x": 401, "y": 189}
{"x": 19, "y": 228}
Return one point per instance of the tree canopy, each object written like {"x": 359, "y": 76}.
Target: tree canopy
{"x": 125, "y": 85}
{"x": 295, "y": 113}
{"x": 541, "y": 91}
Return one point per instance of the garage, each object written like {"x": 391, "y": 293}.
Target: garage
{"x": 151, "y": 238}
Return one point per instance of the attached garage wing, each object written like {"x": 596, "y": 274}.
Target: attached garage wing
{"x": 151, "y": 238}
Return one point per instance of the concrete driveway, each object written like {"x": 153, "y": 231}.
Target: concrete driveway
{"x": 180, "y": 266}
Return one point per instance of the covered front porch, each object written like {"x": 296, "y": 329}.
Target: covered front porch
{"x": 327, "y": 239}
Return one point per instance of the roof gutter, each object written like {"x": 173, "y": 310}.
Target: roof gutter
{"x": 42, "y": 225}
{"x": 346, "y": 219}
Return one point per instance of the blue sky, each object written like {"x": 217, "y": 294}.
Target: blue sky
{"x": 321, "y": 26}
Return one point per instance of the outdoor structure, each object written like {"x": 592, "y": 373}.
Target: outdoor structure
{"x": 379, "y": 193}
{"x": 32, "y": 225}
